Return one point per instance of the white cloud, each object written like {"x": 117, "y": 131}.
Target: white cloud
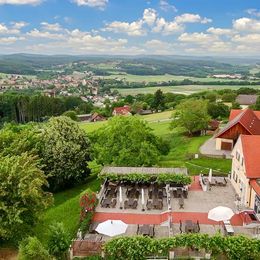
{"x": 9, "y": 40}
{"x": 19, "y": 25}
{"x": 192, "y": 18}
{"x": 101, "y": 4}
{"x": 253, "y": 12}
{"x": 198, "y": 38}
{"x": 149, "y": 16}
{"x": 51, "y": 26}
{"x": 247, "y": 25}
{"x": 219, "y": 31}
{"x": 20, "y": 2}
{"x": 132, "y": 29}
{"x": 247, "y": 39}
{"x": 166, "y": 6}
{"x": 35, "y": 33}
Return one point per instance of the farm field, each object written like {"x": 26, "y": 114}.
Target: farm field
{"x": 186, "y": 90}
{"x": 151, "y": 119}
{"x": 158, "y": 78}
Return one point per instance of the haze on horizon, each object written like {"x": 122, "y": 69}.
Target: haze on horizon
{"x": 131, "y": 27}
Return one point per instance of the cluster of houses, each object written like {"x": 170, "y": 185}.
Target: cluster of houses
{"x": 241, "y": 136}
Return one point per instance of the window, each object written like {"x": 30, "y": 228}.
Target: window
{"x": 237, "y": 156}
{"x": 242, "y": 161}
{"x": 236, "y": 178}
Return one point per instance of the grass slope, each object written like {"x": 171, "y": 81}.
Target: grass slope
{"x": 65, "y": 209}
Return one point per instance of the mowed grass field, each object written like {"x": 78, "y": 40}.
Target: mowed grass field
{"x": 158, "y": 78}
{"x": 186, "y": 90}
{"x": 157, "y": 121}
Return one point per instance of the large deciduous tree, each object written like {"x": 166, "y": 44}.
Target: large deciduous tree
{"x": 192, "y": 115}
{"x": 125, "y": 141}
{"x": 65, "y": 152}
{"x": 22, "y": 198}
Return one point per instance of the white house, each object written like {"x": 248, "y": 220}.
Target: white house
{"x": 245, "y": 175}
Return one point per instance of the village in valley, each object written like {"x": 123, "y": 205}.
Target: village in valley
{"x": 129, "y": 130}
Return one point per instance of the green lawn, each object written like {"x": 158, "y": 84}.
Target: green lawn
{"x": 90, "y": 127}
{"x": 65, "y": 209}
{"x": 182, "y": 155}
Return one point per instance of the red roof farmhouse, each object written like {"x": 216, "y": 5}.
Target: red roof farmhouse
{"x": 244, "y": 122}
{"x": 122, "y": 111}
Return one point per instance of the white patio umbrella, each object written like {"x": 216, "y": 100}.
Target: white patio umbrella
{"x": 220, "y": 214}
{"x": 112, "y": 228}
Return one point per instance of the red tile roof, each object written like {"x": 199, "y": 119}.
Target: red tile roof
{"x": 235, "y": 112}
{"x": 251, "y": 152}
{"x": 247, "y": 118}
{"x": 122, "y": 110}
{"x": 256, "y": 186}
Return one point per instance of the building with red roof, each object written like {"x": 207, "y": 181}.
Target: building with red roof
{"x": 122, "y": 111}
{"x": 245, "y": 175}
{"x": 246, "y": 122}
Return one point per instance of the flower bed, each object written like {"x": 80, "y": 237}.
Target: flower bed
{"x": 88, "y": 202}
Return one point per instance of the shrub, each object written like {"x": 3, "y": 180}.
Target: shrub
{"x": 32, "y": 249}
{"x": 59, "y": 241}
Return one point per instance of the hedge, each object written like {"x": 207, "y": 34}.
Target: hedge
{"x": 140, "y": 177}
{"x": 139, "y": 247}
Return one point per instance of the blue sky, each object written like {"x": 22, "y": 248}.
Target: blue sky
{"x": 184, "y": 27}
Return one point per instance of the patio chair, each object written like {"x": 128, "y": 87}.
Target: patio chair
{"x": 135, "y": 204}
{"x": 181, "y": 227}
{"x": 185, "y": 194}
{"x": 197, "y": 227}
{"x": 126, "y": 206}
{"x": 174, "y": 192}
{"x": 181, "y": 203}
{"x": 113, "y": 204}
{"x": 92, "y": 227}
{"x": 149, "y": 205}
{"x": 160, "y": 205}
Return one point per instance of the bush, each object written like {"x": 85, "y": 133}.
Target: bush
{"x": 59, "y": 241}
{"x": 32, "y": 249}
{"x": 237, "y": 247}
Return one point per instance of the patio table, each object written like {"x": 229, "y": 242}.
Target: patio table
{"x": 228, "y": 228}
{"x": 106, "y": 202}
{"x": 146, "y": 230}
{"x": 189, "y": 226}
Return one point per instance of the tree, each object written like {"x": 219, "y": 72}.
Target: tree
{"x": 71, "y": 114}
{"x": 59, "y": 241}
{"x": 218, "y": 110}
{"x": 125, "y": 141}
{"x": 158, "y": 100}
{"x": 64, "y": 153}
{"x": 31, "y": 249}
{"x": 257, "y": 104}
{"x": 22, "y": 196}
{"x": 192, "y": 115}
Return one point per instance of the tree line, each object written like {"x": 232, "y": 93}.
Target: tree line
{"x": 23, "y": 108}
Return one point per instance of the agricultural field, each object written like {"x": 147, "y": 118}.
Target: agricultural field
{"x": 158, "y": 78}
{"x": 186, "y": 89}
{"x": 157, "y": 121}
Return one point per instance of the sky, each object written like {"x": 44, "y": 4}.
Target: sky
{"x": 131, "y": 27}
